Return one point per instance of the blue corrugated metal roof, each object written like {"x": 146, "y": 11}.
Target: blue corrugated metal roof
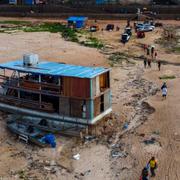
{"x": 77, "y": 18}
{"x": 56, "y": 69}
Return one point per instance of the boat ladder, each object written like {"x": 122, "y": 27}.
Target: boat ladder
{"x": 23, "y": 137}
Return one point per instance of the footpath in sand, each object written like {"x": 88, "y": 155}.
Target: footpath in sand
{"x": 136, "y": 99}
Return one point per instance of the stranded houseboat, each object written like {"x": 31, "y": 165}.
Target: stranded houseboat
{"x": 55, "y": 91}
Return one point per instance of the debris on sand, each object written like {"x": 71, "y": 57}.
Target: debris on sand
{"x": 89, "y": 138}
{"x": 125, "y": 126}
{"x": 152, "y": 140}
{"x": 116, "y": 153}
{"x": 76, "y": 156}
{"x": 85, "y": 173}
{"x": 149, "y": 141}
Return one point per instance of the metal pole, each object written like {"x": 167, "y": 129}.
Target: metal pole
{"x": 18, "y": 85}
{"x": 40, "y": 91}
{"x": 59, "y": 84}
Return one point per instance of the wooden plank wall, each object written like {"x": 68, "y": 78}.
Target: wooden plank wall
{"x": 76, "y": 87}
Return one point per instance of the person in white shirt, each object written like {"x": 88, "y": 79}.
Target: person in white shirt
{"x": 164, "y": 90}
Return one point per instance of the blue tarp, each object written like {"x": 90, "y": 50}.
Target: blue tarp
{"x": 78, "y": 21}
{"x": 56, "y": 69}
{"x": 29, "y": 2}
{"x": 49, "y": 139}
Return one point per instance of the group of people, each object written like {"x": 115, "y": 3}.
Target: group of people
{"x": 151, "y": 166}
{"x": 147, "y": 62}
{"x": 150, "y": 51}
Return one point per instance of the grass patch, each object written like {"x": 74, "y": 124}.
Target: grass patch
{"x": 93, "y": 42}
{"x": 15, "y": 22}
{"x": 22, "y": 175}
{"x": 177, "y": 49}
{"x": 67, "y": 33}
{"x": 164, "y": 77}
{"x": 49, "y": 27}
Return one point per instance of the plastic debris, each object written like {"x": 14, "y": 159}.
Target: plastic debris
{"x": 150, "y": 141}
{"x": 125, "y": 126}
{"x": 85, "y": 173}
{"x": 49, "y": 139}
{"x": 118, "y": 154}
{"x": 76, "y": 156}
{"x": 89, "y": 138}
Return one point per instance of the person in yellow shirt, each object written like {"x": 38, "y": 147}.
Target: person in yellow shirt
{"x": 153, "y": 166}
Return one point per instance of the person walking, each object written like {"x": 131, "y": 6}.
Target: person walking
{"x": 117, "y": 28}
{"x": 159, "y": 65}
{"x": 153, "y": 166}
{"x": 144, "y": 174}
{"x": 148, "y": 51}
{"x": 152, "y": 51}
{"x": 145, "y": 63}
{"x": 164, "y": 85}
{"x": 155, "y": 55}
{"x": 164, "y": 90}
{"x": 149, "y": 63}
{"x": 145, "y": 47}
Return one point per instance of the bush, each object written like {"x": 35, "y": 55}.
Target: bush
{"x": 93, "y": 42}
{"x": 167, "y": 77}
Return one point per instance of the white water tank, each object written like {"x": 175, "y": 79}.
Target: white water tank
{"x": 30, "y": 59}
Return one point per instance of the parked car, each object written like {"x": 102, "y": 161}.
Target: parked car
{"x": 125, "y": 37}
{"x": 146, "y": 28}
{"x": 94, "y": 28}
{"x": 149, "y": 23}
{"x": 110, "y": 27}
{"x": 139, "y": 25}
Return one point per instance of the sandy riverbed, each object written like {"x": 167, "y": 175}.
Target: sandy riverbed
{"x": 128, "y": 80}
